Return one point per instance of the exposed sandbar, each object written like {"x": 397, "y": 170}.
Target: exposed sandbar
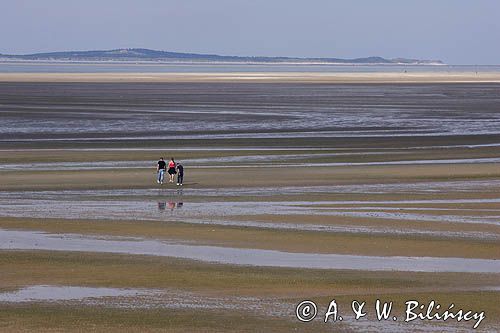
{"x": 271, "y": 77}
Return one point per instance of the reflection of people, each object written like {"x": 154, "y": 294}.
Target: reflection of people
{"x": 171, "y": 170}
{"x": 162, "y": 205}
{"x": 160, "y": 169}
{"x": 180, "y": 174}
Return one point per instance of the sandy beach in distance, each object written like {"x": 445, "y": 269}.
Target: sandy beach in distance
{"x": 352, "y": 186}
{"x": 276, "y": 77}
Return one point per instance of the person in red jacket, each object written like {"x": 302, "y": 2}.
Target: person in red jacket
{"x": 171, "y": 170}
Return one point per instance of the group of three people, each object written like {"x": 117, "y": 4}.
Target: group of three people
{"x": 173, "y": 169}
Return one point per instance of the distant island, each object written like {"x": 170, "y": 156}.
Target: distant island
{"x": 148, "y": 55}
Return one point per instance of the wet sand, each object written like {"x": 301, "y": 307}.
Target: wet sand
{"x": 218, "y": 287}
{"x": 388, "y": 182}
{"x": 24, "y": 240}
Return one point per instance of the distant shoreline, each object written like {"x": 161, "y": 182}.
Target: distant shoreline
{"x": 148, "y": 55}
{"x": 208, "y": 62}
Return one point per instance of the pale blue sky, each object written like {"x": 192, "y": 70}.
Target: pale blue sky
{"x": 455, "y": 31}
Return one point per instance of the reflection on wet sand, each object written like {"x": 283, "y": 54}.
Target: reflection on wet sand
{"x": 27, "y": 240}
{"x": 134, "y": 299}
{"x": 63, "y": 293}
{"x": 171, "y": 205}
{"x": 402, "y": 210}
{"x": 475, "y": 202}
{"x": 174, "y": 200}
{"x": 140, "y": 298}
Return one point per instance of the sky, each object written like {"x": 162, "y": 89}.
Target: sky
{"x": 455, "y": 31}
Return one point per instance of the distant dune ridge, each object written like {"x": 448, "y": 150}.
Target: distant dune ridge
{"x": 137, "y": 54}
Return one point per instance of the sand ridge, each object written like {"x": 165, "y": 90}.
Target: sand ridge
{"x": 263, "y": 77}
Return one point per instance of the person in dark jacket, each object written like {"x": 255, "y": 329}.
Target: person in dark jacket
{"x": 180, "y": 174}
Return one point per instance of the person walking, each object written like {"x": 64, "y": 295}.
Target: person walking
{"x": 171, "y": 170}
{"x": 160, "y": 169}
{"x": 180, "y": 174}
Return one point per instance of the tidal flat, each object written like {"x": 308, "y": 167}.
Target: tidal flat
{"x": 379, "y": 189}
